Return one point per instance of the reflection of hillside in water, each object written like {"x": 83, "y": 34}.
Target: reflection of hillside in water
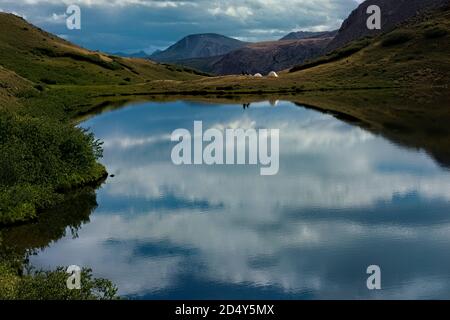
{"x": 417, "y": 120}
{"x": 23, "y": 240}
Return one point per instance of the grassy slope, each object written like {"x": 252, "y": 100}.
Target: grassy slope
{"x": 11, "y": 85}
{"x": 415, "y": 54}
{"x": 44, "y": 58}
{"x": 42, "y": 153}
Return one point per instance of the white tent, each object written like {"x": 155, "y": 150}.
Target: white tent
{"x": 258, "y": 75}
{"x": 272, "y": 74}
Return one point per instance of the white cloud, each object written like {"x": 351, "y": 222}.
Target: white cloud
{"x": 240, "y": 12}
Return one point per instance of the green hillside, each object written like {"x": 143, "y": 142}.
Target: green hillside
{"x": 11, "y": 85}
{"x": 46, "y": 59}
{"x": 414, "y": 54}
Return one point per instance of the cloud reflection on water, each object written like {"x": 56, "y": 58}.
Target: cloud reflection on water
{"x": 343, "y": 199}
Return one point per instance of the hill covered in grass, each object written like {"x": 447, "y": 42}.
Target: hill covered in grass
{"x": 413, "y": 54}
{"x": 44, "y": 58}
{"x": 11, "y": 86}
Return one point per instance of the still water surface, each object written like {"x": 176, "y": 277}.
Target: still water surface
{"x": 343, "y": 199}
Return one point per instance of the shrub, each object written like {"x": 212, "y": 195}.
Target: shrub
{"x": 51, "y": 285}
{"x": 48, "y": 81}
{"x": 27, "y": 93}
{"x": 39, "y": 87}
{"x": 436, "y": 32}
{"x": 40, "y": 157}
{"x": 396, "y": 38}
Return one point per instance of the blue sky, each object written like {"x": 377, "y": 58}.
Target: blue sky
{"x": 133, "y": 25}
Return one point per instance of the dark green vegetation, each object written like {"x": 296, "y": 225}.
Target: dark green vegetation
{"x": 41, "y": 158}
{"x": 18, "y": 280}
{"x": 397, "y": 37}
{"x": 51, "y": 285}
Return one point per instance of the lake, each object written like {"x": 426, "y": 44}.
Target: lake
{"x": 343, "y": 199}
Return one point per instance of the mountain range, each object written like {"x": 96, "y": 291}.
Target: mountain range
{"x": 221, "y": 55}
{"x": 264, "y": 57}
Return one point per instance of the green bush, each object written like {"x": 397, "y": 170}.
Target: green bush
{"x": 48, "y": 81}
{"x": 436, "y": 32}
{"x": 39, "y": 87}
{"x": 39, "y": 158}
{"x": 396, "y": 38}
{"x": 51, "y": 285}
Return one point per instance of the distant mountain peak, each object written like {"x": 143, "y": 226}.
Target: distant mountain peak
{"x": 202, "y": 45}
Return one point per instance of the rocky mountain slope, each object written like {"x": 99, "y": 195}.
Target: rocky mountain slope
{"x": 260, "y": 57}
{"x": 264, "y": 57}
{"x": 393, "y": 12}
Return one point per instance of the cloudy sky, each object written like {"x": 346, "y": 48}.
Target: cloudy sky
{"x": 131, "y": 25}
